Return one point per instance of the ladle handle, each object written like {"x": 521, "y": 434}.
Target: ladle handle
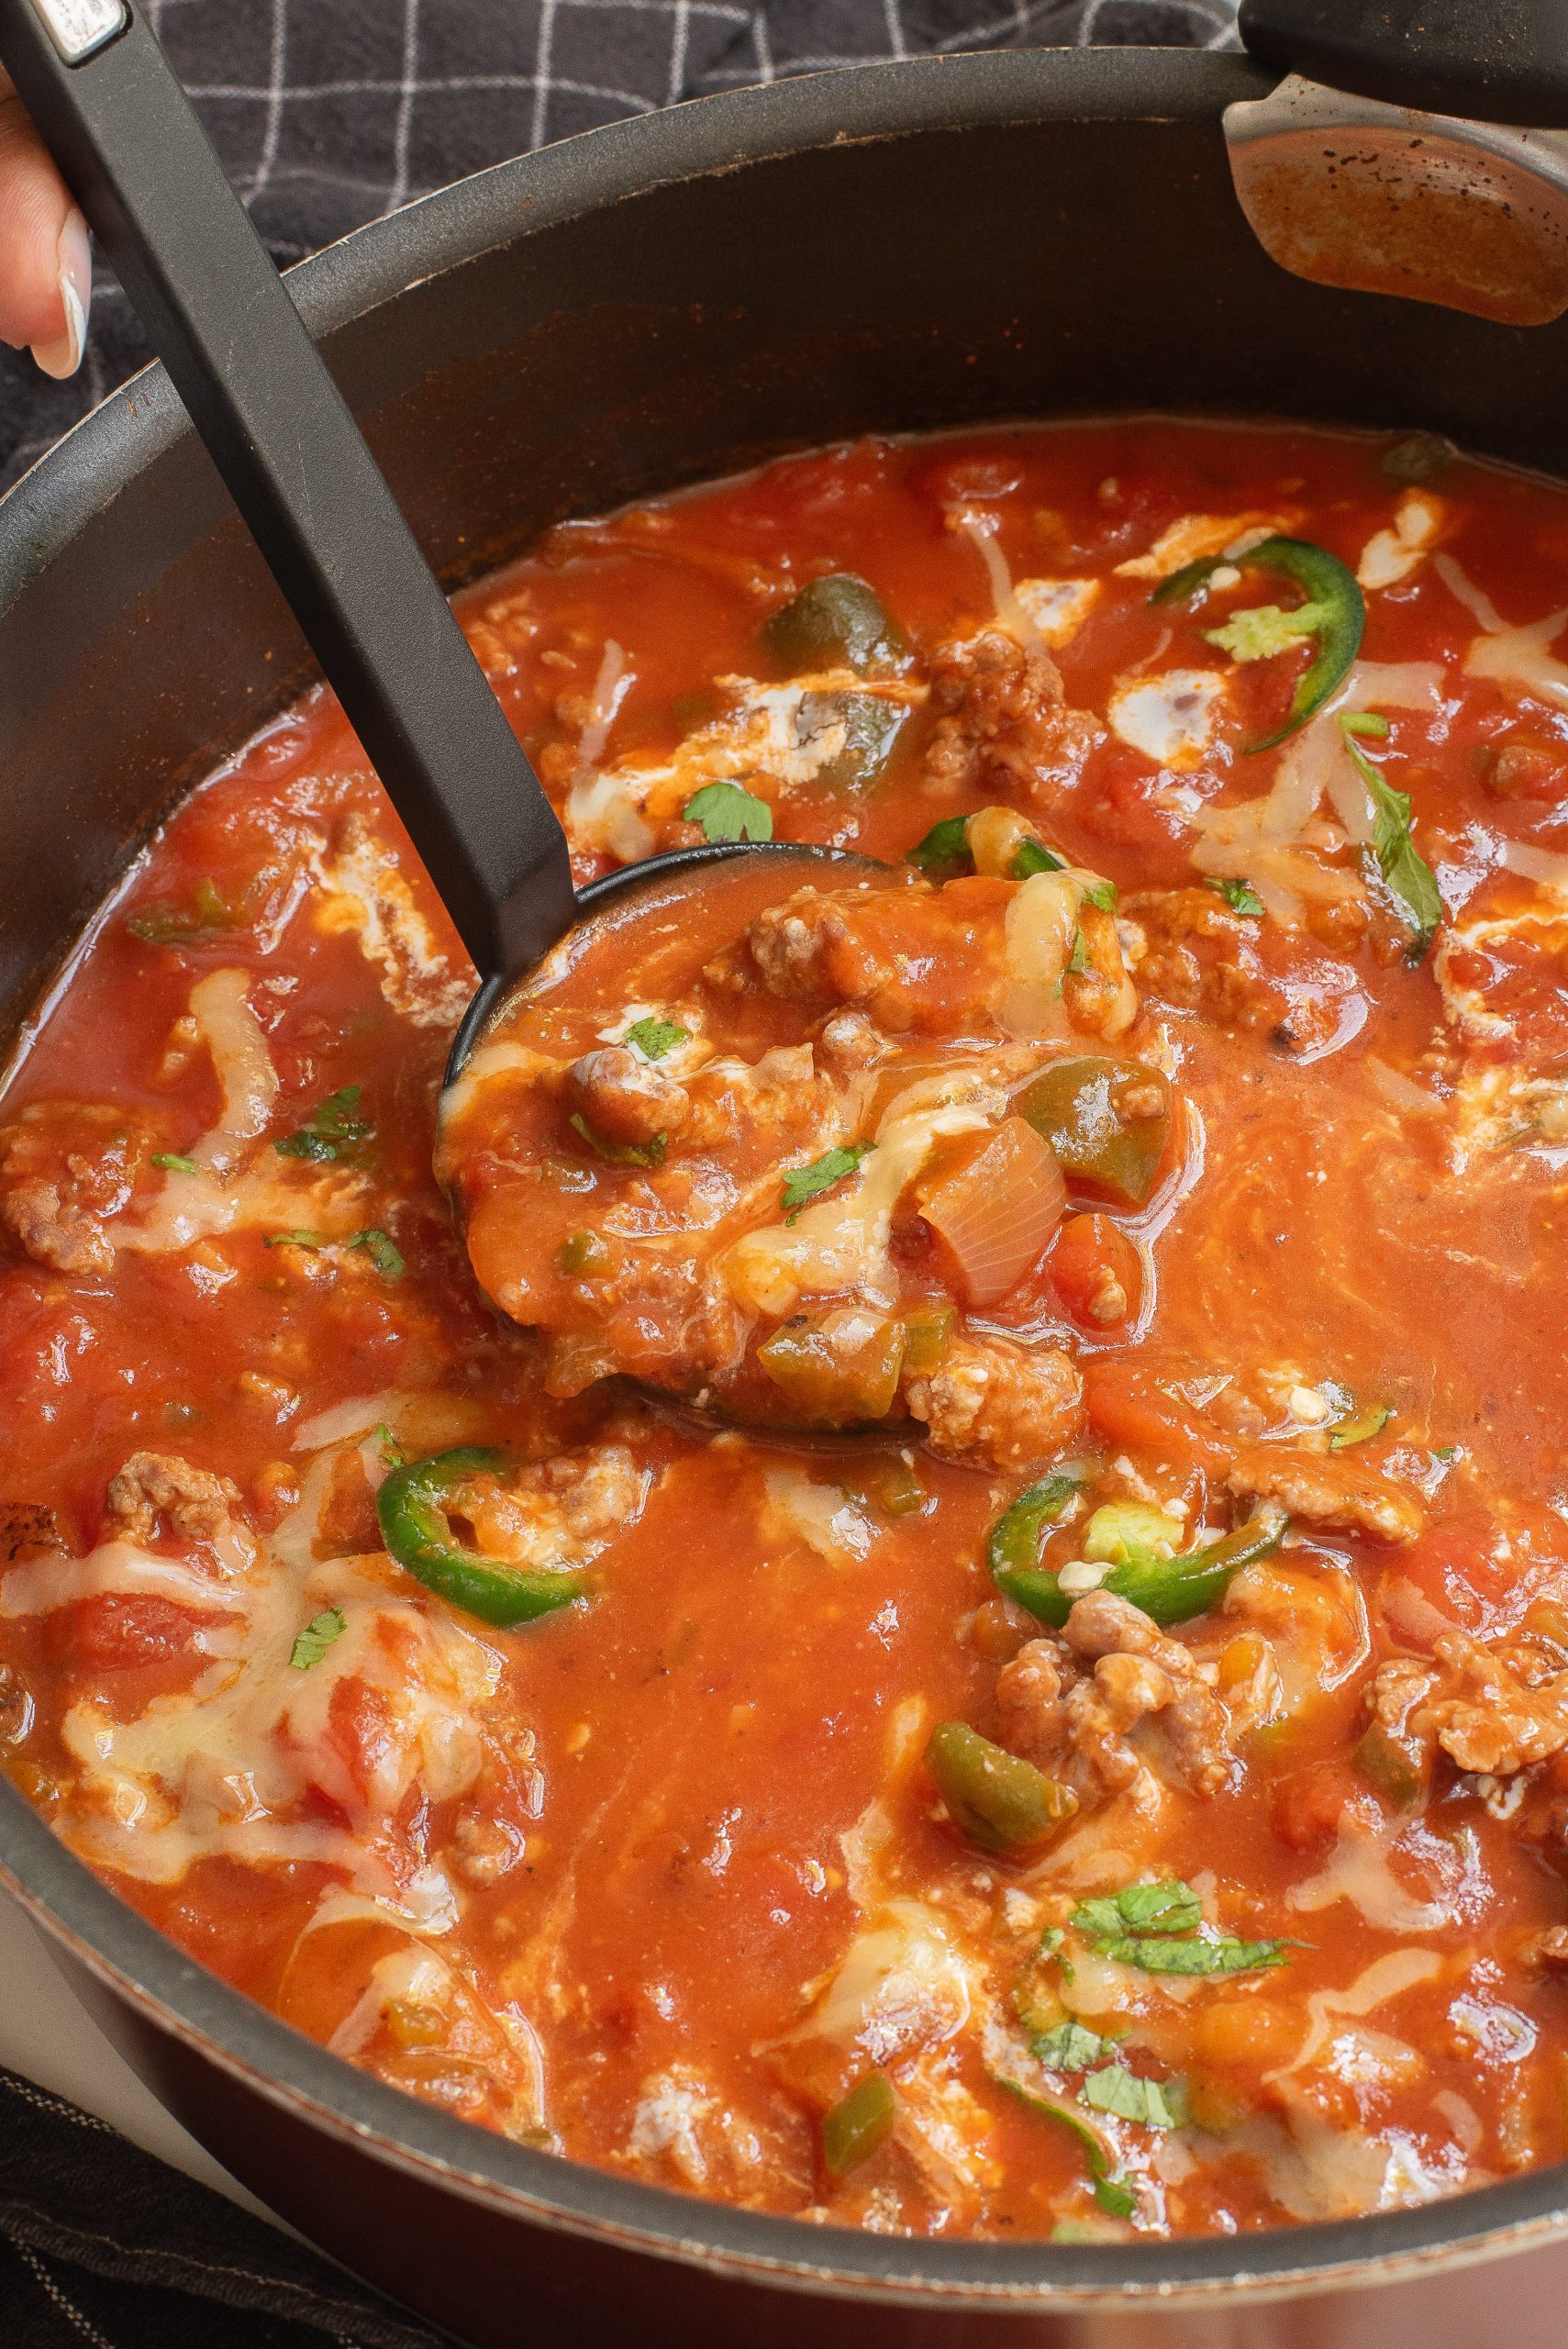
{"x": 1484, "y": 60}
{"x": 109, "y": 108}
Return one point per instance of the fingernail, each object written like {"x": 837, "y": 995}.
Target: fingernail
{"x": 63, "y": 356}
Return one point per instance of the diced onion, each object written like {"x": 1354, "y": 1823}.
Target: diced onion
{"x": 1544, "y": 864}
{"x": 996, "y": 1214}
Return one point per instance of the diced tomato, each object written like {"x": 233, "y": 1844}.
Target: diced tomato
{"x": 1097, "y": 1272}
{"x": 118, "y": 1631}
{"x": 1306, "y": 1807}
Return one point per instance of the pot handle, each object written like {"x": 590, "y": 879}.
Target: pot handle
{"x": 1484, "y": 60}
{"x": 119, "y": 125}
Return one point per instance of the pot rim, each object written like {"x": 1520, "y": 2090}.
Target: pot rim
{"x": 42, "y": 512}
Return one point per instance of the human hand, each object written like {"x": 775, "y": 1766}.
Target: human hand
{"x": 46, "y": 268}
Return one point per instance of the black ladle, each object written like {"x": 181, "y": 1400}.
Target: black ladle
{"x": 112, "y": 112}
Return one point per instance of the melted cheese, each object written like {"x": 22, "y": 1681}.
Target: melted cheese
{"x": 1393, "y": 554}
{"x": 363, "y": 893}
{"x": 1058, "y": 607}
{"x": 1514, "y": 658}
{"x": 1171, "y": 719}
{"x": 1195, "y": 536}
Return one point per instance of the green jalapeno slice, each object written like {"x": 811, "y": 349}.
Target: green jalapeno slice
{"x": 412, "y": 1505}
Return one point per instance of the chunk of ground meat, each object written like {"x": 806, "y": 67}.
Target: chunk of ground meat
{"x": 1003, "y": 1405}
{"x": 1492, "y": 1711}
{"x": 1548, "y": 1952}
{"x": 1077, "y": 1725}
{"x": 562, "y": 1513}
{"x": 196, "y": 1505}
{"x": 1326, "y": 1488}
{"x": 64, "y": 1167}
{"x": 1002, "y": 724}
{"x": 1189, "y": 948}
{"x": 910, "y": 956}
{"x": 624, "y": 1097}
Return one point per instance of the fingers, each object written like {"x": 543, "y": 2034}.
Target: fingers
{"x": 46, "y": 274}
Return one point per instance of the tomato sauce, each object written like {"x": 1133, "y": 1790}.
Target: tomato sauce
{"x": 669, "y": 1878}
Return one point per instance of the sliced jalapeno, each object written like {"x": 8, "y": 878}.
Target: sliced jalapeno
{"x": 1168, "y": 1590}
{"x": 1107, "y": 1121}
{"x": 1338, "y": 623}
{"x": 413, "y": 1505}
{"x": 1001, "y": 1801}
{"x": 835, "y": 622}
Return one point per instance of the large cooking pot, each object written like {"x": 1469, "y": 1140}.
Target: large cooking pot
{"x": 922, "y": 244}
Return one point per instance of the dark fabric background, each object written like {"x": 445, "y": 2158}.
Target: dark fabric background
{"x": 327, "y": 112}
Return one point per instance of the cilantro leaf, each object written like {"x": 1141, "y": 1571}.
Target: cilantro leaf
{"x": 332, "y": 1131}
{"x": 1070, "y": 2046}
{"x": 1261, "y": 633}
{"x": 391, "y": 1453}
{"x": 1238, "y": 895}
{"x": 1223, "y": 1955}
{"x": 803, "y": 1182}
{"x": 1117, "y": 2090}
{"x": 381, "y": 1251}
{"x": 296, "y": 1240}
{"x": 174, "y": 1161}
{"x": 1410, "y": 879}
{"x": 945, "y": 844}
{"x": 317, "y": 1636}
{"x": 1101, "y": 895}
{"x": 654, "y": 1038}
{"x": 1078, "y": 959}
{"x": 727, "y": 813}
{"x": 1168, "y": 1907}
{"x": 630, "y": 1153}
{"x": 1110, "y": 2192}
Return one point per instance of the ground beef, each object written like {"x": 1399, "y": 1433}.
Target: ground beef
{"x": 1327, "y": 1488}
{"x": 1188, "y": 947}
{"x": 1492, "y": 1711}
{"x": 1003, "y": 725}
{"x": 999, "y": 1404}
{"x": 65, "y": 1166}
{"x": 624, "y": 1097}
{"x": 1075, "y": 1724}
{"x": 196, "y": 1505}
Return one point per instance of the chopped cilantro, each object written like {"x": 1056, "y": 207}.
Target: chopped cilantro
{"x": 1265, "y": 631}
{"x": 1033, "y": 856}
{"x": 391, "y": 1453}
{"x": 1079, "y": 959}
{"x": 630, "y": 1153}
{"x": 1151, "y": 2103}
{"x": 1101, "y": 895}
{"x": 1170, "y": 1907}
{"x": 174, "y": 1161}
{"x": 1070, "y": 2046}
{"x": 1410, "y": 880}
{"x": 803, "y": 1182}
{"x": 1110, "y": 2192}
{"x": 1222, "y": 1955}
{"x": 1446, "y": 1451}
{"x": 1050, "y": 1943}
{"x": 296, "y": 1240}
{"x": 945, "y": 844}
{"x": 332, "y": 1131}
{"x": 1238, "y": 895}
{"x": 383, "y": 1252}
{"x": 727, "y": 813}
{"x": 317, "y": 1636}
{"x": 654, "y": 1038}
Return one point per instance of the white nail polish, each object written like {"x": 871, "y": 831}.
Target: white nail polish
{"x": 63, "y": 356}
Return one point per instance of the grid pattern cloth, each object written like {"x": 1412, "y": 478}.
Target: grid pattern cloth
{"x": 328, "y": 112}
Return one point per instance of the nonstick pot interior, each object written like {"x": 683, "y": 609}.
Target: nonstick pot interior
{"x": 920, "y": 244}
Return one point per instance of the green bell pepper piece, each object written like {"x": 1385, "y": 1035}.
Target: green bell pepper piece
{"x": 1002, "y": 1802}
{"x": 835, "y": 622}
{"x": 1078, "y": 1106}
{"x": 412, "y": 1507}
{"x": 860, "y": 2122}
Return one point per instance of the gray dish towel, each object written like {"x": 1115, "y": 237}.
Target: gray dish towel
{"x": 327, "y": 114}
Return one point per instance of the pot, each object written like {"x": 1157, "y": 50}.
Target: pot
{"x": 930, "y": 243}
